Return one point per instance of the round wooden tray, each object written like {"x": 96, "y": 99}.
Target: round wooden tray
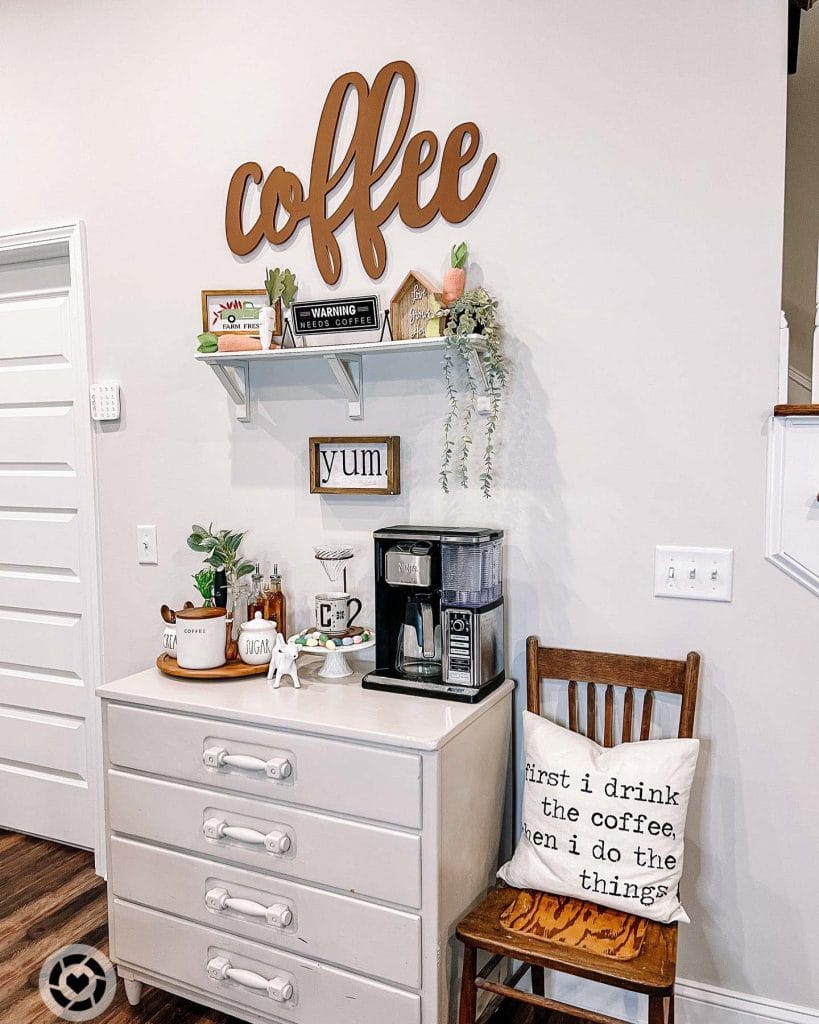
{"x": 230, "y": 670}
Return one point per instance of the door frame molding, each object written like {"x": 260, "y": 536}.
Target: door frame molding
{"x": 72, "y": 234}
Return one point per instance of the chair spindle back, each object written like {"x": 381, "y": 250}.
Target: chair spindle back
{"x": 591, "y": 668}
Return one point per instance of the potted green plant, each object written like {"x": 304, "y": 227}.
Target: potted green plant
{"x": 203, "y": 581}
{"x": 222, "y": 551}
{"x": 473, "y": 345}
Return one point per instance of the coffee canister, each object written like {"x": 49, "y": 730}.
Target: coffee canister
{"x": 200, "y": 638}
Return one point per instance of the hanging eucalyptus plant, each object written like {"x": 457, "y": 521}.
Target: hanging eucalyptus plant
{"x": 474, "y": 313}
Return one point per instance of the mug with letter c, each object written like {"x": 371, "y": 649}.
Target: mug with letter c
{"x": 333, "y": 612}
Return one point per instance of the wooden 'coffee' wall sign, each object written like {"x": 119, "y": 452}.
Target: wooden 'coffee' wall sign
{"x": 283, "y": 205}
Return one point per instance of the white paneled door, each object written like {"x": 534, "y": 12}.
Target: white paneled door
{"x": 49, "y": 634}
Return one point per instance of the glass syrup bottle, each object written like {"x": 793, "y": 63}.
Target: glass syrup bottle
{"x": 256, "y": 602}
{"x": 275, "y": 603}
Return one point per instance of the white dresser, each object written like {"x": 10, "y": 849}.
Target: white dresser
{"x": 298, "y": 855}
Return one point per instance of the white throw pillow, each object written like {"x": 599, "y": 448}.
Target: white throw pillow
{"x": 604, "y": 824}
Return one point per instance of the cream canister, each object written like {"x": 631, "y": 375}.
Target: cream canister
{"x": 169, "y": 641}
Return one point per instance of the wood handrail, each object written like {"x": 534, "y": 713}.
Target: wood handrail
{"x": 796, "y": 410}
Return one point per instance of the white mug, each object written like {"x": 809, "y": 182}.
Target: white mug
{"x": 333, "y": 612}
{"x": 200, "y": 638}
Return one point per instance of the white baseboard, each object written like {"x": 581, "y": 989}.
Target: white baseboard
{"x": 705, "y": 1004}
{"x": 696, "y": 1003}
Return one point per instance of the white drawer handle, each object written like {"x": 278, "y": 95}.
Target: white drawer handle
{"x": 273, "y": 842}
{"x": 275, "y": 768}
{"x": 221, "y": 969}
{"x": 279, "y": 914}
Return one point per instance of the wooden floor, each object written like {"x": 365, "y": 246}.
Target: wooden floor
{"x": 50, "y": 897}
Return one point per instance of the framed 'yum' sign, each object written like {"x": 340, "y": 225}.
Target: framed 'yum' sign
{"x": 355, "y": 465}
{"x": 283, "y": 201}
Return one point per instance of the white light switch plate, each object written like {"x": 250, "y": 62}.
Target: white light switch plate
{"x": 146, "y": 545}
{"x": 699, "y": 574}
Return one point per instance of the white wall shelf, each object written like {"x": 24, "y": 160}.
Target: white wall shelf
{"x": 345, "y": 362}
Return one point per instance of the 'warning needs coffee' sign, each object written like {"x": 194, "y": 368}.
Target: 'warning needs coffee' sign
{"x": 336, "y": 315}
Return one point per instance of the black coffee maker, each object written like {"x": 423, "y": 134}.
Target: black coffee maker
{"x": 438, "y": 612}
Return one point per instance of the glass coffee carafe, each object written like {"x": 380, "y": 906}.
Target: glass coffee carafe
{"x": 418, "y": 654}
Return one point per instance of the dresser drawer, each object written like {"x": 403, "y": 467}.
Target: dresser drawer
{"x": 208, "y": 960}
{"x": 382, "y": 863}
{"x": 311, "y": 922}
{"x": 333, "y": 775}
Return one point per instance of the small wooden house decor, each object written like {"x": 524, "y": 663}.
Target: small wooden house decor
{"x": 416, "y": 309}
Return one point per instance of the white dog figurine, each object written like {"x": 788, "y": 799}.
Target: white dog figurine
{"x": 283, "y": 662}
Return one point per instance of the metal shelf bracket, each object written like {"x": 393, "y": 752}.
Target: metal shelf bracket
{"x": 348, "y": 371}
{"x": 235, "y": 378}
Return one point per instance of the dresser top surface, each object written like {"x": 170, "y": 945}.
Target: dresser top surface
{"x": 340, "y": 708}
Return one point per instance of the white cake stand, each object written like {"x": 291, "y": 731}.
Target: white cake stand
{"x": 335, "y": 664}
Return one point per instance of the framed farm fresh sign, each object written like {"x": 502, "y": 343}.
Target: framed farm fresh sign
{"x": 355, "y": 465}
{"x": 236, "y": 312}
{"x": 349, "y": 166}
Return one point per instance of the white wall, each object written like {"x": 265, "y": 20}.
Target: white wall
{"x": 802, "y": 197}
{"x": 634, "y": 233}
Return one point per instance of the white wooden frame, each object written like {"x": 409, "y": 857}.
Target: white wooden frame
{"x": 815, "y": 391}
{"x": 774, "y": 541}
{"x": 73, "y": 235}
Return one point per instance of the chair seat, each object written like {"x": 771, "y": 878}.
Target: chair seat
{"x": 574, "y": 936}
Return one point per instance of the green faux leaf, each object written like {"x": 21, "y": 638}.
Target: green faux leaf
{"x": 274, "y": 285}
{"x": 194, "y": 543}
{"x": 244, "y": 569}
{"x": 458, "y": 255}
{"x": 290, "y": 288}
{"x": 208, "y": 342}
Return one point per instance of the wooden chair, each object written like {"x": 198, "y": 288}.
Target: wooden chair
{"x": 568, "y": 935}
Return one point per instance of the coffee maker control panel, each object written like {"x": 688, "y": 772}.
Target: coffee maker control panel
{"x": 458, "y": 633}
